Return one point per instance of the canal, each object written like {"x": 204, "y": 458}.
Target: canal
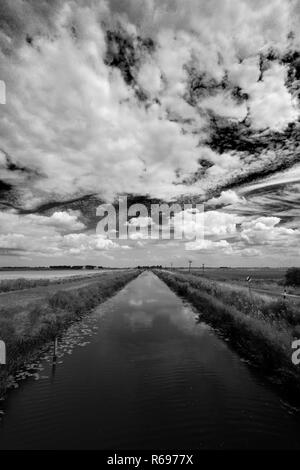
{"x": 140, "y": 372}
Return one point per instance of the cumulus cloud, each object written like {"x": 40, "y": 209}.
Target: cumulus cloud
{"x": 65, "y": 221}
{"x": 267, "y": 231}
{"x": 58, "y": 221}
{"x": 218, "y": 223}
{"x": 231, "y": 234}
{"x": 271, "y": 105}
{"x": 82, "y": 243}
{"x": 55, "y": 235}
{"x": 149, "y": 77}
{"x": 140, "y": 221}
{"x": 209, "y": 245}
{"x": 225, "y": 106}
{"x": 228, "y": 197}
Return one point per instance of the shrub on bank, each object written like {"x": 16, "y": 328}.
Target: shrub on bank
{"x": 292, "y": 277}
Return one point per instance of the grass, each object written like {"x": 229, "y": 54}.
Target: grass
{"x": 21, "y": 283}
{"x": 240, "y": 274}
{"x": 268, "y": 279}
{"x": 261, "y": 329}
{"x": 8, "y": 285}
{"x": 27, "y": 329}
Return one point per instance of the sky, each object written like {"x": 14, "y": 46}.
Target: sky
{"x": 162, "y": 101}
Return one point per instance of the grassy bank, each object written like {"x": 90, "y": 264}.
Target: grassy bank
{"x": 25, "y": 330}
{"x": 19, "y": 284}
{"x": 260, "y": 329}
{"x": 267, "y": 279}
{"x": 8, "y": 285}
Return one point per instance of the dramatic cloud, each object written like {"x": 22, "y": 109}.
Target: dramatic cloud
{"x": 176, "y": 100}
{"x": 266, "y": 231}
{"x": 49, "y": 236}
{"x": 231, "y": 234}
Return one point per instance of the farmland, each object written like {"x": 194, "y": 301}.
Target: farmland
{"x": 269, "y": 281}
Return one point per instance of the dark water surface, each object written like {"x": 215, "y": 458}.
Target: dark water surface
{"x": 139, "y": 372}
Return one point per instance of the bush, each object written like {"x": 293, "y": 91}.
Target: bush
{"x": 292, "y": 277}
{"x": 281, "y": 310}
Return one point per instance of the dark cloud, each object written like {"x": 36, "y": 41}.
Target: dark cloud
{"x": 4, "y": 187}
{"x": 125, "y": 52}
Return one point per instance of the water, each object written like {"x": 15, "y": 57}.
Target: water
{"x": 45, "y": 274}
{"x": 140, "y": 372}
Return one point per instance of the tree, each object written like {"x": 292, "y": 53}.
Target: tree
{"x": 292, "y": 277}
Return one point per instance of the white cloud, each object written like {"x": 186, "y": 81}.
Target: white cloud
{"x": 244, "y": 74}
{"x": 65, "y": 221}
{"x": 228, "y": 197}
{"x": 205, "y": 225}
{"x": 80, "y": 243}
{"x": 208, "y": 245}
{"x": 224, "y": 105}
{"x": 139, "y": 235}
{"x": 140, "y": 221}
{"x": 52, "y": 235}
{"x": 267, "y": 231}
{"x": 58, "y": 222}
{"x": 271, "y": 105}
{"x": 149, "y": 77}
{"x": 231, "y": 234}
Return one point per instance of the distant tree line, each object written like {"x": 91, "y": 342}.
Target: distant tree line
{"x": 88, "y": 266}
{"x": 157, "y": 266}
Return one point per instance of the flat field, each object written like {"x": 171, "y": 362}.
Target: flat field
{"x": 265, "y": 280}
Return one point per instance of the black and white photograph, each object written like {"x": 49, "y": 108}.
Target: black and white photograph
{"x": 149, "y": 228}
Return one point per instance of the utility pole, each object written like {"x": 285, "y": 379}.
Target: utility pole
{"x": 203, "y": 268}
{"x": 249, "y": 279}
{"x": 55, "y": 348}
{"x": 284, "y": 294}
{"x": 190, "y": 264}
{"x": 2, "y": 353}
